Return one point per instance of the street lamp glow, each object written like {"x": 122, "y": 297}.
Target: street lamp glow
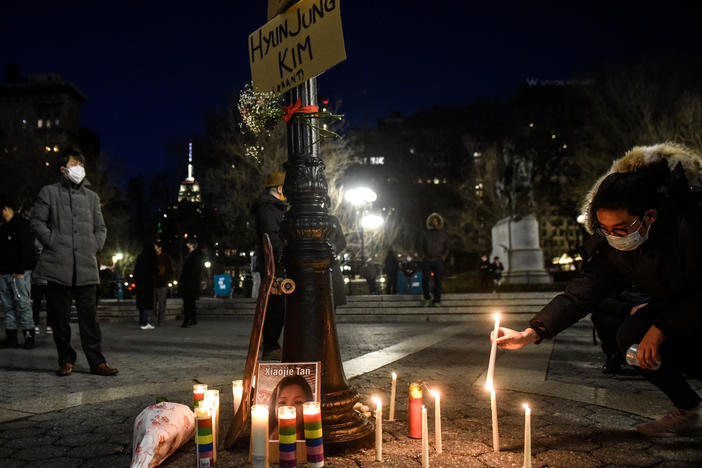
{"x": 208, "y": 264}
{"x": 360, "y": 196}
{"x": 371, "y": 221}
{"x": 119, "y": 256}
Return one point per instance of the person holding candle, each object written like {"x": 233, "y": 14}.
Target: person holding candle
{"x": 292, "y": 390}
{"x": 646, "y": 217}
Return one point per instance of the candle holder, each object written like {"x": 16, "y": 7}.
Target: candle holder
{"x": 312, "y": 415}
{"x": 287, "y": 436}
{"x": 212, "y": 402}
{"x": 414, "y": 418}
{"x": 237, "y": 391}
{"x": 204, "y": 445}
{"x": 199, "y": 391}
{"x": 259, "y": 436}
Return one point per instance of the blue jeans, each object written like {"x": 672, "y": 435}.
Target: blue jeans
{"x": 14, "y": 295}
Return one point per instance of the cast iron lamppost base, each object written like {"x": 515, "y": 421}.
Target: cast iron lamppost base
{"x": 310, "y": 325}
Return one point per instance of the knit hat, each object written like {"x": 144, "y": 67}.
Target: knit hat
{"x": 275, "y": 179}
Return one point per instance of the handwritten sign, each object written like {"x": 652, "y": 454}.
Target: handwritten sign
{"x": 276, "y": 6}
{"x": 300, "y": 43}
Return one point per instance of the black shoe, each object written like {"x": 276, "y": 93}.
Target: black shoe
{"x": 613, "y": 364}
{"x": 10, "y": 340}
{"x": 185, "y": 324}
{"x": 28, "y": 339}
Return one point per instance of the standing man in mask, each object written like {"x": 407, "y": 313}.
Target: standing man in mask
{"x": 67, "y": 220}
{"x": 646, "y": 217}
{"x": 268, "y": 211}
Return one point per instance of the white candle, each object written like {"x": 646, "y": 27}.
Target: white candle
{"x": 237, "y": 390}
{"x": 392, "y": 397}
{"x": 378, "y": 428}
{"x": 437, "y": 420}
{"x": 425, "y": 439}
{"x": 527, "y": 436}
{"x": 493, "y": 353}
{"x": 259, "y": 436}
{"x": 212, "y": 402}
{"x": 495, "y": 430}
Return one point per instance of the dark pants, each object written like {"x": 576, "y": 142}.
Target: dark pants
{"x": 189, "y": 311}
{"x": 58, "y": 301}
{"x": 38, "y": 295}
{"x": 435, "y": 266}
{"x": 273, "y": 324}
{"x": 678, "y": 356}
{"x": 391, "y": 282}
{"x": 607, "y": 326}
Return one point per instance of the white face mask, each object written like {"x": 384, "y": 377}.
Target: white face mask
{"x": 76, "y": 174}
{"x": 629, "y": 242}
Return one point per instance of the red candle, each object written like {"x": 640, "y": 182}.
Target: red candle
{"x": 415, "y": 411}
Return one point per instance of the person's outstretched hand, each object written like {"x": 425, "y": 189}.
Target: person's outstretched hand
{"x": 513, "y": 339}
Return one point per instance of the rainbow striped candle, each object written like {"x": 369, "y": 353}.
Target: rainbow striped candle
{"x": 204, "y": 448}
{"x": 312, "y": 415}
{"x": 287, "y": 436}
{"x": 199, "y": 391}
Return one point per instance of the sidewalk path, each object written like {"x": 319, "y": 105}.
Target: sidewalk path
{"x": 85, "y": 420}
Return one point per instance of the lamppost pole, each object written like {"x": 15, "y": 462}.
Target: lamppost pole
{"x": 363, "y": 256}
{"x": 310, "y": 326}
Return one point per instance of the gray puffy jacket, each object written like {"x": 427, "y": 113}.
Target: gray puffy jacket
{"x": 68, "y": 222}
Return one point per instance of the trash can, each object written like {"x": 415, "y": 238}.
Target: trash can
{"x": 223, "y": 285}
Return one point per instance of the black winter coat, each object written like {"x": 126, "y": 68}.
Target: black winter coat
{"x": 16, "y": 246}
{"x": 268, "y": 212}
{"x": 433, "y": 244}
{"x": 667, "y": 268}
{"x": 191, "y": 276}
{"x": 145, "y": 278}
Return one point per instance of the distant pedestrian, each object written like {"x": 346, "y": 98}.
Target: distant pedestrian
{"x": 370, "y": 272}
{"x": 38, "y": 292}
{"x": 338, "y": 242}
{"x": 391, "y": 267}
{"x": 16, "y": 260}
{"x": 255, "y": 277}
{"x": 145, "y": 270}
{"x": 165, "y": 274}
{"x": 190, "y": 282}
{"x": 67, "y": 220}
{"x": 496, "y": 269}
{"x": 433, "y": 248}
{"x": 268, "y": 211}
{"x": 484, "y": 273}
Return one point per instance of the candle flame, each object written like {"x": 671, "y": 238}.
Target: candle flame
{"x": 496, "y": 316}
{"x": 489, "y": 387}
{"x": 526, "y": 406}
{"x": 434, "y": 393}
{"x": 378, "y": 402}
{"x": 394, "y": 375}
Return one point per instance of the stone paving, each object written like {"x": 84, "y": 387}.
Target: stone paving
{"x": 94, "y": 427}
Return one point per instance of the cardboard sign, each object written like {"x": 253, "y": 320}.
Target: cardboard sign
{"x": 299, "y": 44}
{"x": 276, "y": 6}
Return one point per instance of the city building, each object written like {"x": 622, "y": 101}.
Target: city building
{"x": 189, "y": 189}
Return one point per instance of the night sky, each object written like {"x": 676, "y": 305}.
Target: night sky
{"x": 151, "y": 72}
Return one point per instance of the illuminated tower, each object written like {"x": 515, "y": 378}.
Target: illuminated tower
{"x": 189, "y": 188}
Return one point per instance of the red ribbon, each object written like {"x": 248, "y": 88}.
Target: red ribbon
{"x": 298, "y": 108}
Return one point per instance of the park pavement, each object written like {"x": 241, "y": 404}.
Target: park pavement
{"x": 580, "y": 417}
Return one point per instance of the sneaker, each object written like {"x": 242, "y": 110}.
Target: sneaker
{"x": 36, "y": 330}
{"x": 148, "y": 326}
{"x": 679, "y": 422}
{"x": 436, "y": 304}
{"x": 427, "y": 302}
{"x": 49, "y": 330}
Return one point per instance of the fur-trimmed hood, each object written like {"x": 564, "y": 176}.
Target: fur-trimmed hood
{"x": 430, "y": 219}
{"x": 644, "y": 156}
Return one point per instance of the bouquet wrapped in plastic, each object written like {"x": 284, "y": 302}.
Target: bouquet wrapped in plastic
{"x": 160, "y": 430}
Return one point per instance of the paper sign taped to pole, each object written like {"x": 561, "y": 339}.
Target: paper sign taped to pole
{"x": 299, "y": 44}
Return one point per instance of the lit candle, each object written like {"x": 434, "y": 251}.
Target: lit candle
{"x": 198, "y": 394}
{"x": 312, "y": 415}
{"x": 212, "y": 402}
{"x": 287, "y": 436}
{"x": 527, "y": 436}
{"x": 425, "y": 439}
{"x": 204, "y": 446}
{"x": 493, "y": 353}
{"x": 392, "y": 397}
{"x": 495, "y": 430}
{"x": 259, "y": 436}
{"x": 378, "y": 428}
{"x": 437, "y": 420}
{"x": 237, "y": 390}
{"x": 414, "y": 419}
